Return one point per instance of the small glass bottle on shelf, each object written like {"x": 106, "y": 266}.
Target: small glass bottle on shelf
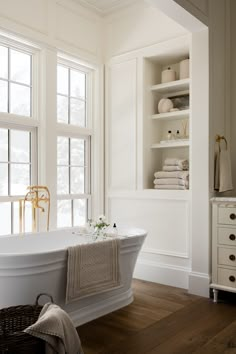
{"x": 169, "y": 135}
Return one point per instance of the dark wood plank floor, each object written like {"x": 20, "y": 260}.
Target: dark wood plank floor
{"x": 163, "y": 320}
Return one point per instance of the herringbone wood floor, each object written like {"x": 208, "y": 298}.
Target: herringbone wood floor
{"x": 163, "y": 320}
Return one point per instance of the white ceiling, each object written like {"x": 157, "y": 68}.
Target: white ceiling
{"x": 105, "y": 6}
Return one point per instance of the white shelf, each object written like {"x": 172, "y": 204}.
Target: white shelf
{"x": 171, "y": 144}
{"x": 172, "y": 87}
{"x": 184, "y": 114}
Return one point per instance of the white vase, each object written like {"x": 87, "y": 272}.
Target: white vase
{"x": 165, "y": 105}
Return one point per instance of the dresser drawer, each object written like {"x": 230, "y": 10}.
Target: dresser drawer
{"x": 227, "y": 236}
{"x": 227, "y": 215}
{"x": 227, "y": 256}
{"x": 227, "y": 277}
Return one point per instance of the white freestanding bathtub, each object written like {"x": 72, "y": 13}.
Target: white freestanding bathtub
{"x": 37, "y": 263}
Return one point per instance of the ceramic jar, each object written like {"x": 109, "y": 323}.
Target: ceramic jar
{"x": 168, "y": 75}
{"x": 184, "y": 69}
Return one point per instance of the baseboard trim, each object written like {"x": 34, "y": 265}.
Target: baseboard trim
{"x": 162, "y": 273}
{"x": 199, "y": 284}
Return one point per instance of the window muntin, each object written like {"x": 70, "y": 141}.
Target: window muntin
{"x": 72, "y": 165}
{"x": 72, "y": 212}
{"x": 9, "y": 212}
{"x": 74, "y": 146}
{"x": 15, "y": 161}
{"x": 15, "y": 81}
{"x": 71, "y": 96}
{"x": 15, "y": 175}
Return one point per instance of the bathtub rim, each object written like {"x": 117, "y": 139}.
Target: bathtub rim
{"x": 136, "y": 233}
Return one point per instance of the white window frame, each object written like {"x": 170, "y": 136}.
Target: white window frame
{"x": 20, "y": 122}
{"x": 74, "y": 131}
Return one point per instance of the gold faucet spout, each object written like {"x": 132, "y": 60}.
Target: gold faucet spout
{"x": 35, "y": 195}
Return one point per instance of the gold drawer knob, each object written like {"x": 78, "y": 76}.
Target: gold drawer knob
{"x": 232, "y": 216}
{"x": 232, "y": 257}
{"x": 232, "y": 278}
{"x": 232, "y": 237}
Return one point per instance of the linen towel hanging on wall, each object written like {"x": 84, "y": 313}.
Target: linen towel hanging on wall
{"x": 223, "y": 175}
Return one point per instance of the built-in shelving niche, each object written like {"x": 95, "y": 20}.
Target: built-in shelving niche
{"x": 156, "y": 125}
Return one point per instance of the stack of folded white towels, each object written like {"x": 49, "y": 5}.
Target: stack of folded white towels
{"x": 174, "y": 175}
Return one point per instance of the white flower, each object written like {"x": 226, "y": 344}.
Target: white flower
{"x": 102, "y": 218}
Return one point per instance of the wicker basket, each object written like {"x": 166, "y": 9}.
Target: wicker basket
{"x": 13, "y": 320}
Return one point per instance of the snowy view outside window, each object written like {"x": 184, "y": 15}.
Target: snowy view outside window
{"x": 15, "y": 144}
{"x": 71, "y": 172}
{"x": 71, "y": 96}
{"x": 15, "y": 175}
{"x": 15, "y": 82}
{"x": 72, "y": 153}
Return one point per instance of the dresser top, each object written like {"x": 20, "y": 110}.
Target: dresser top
{"x": 223, "y": 200}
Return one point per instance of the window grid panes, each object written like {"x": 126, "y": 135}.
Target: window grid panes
{"x": 72, "y": 179}
{"x": 72, "y": 212}
{"x": 15, "y": 176}
{"x": 15, "y": 161}
{"x": 15, "y": 81}
{"x": 9, "y": 212}
{"x": 71, "y": 96}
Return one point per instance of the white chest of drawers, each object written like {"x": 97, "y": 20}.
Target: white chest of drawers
{"x": 223, "y": 245}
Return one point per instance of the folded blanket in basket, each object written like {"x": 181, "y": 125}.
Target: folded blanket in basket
{"x": 55, "y": 327}
{"x": 92, "y": 268}
{"x": 182, "y": 164}
{"x": 169, "y": 186}
{"x": 172, "y": 174}
{"x": 171, "y": 181}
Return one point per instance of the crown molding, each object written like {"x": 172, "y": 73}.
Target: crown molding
{"x": 104, "y": 10}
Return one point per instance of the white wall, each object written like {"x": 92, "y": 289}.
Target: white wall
{"x": 58, "y": 23}
{"x": 136, "y": 27}
{"x": 198, "y": 8}
{"x": 133, "y": 34}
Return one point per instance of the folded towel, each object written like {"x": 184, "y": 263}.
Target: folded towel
{"x": 173, "y": 174}
{"x": 183, "y": 164}
{"x": 55, "y": 327}
{"x": 169, "y": 186}
{"x": 172, "y": 168}
{"x": 171, "y": 181}
{"x": 223, "y": 176}
{"x": 92, "y": 269}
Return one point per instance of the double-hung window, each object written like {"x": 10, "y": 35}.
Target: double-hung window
{"x": 18, "y": 133}
{"x": 15, "y": 81}
{"x": 73, "y": 144}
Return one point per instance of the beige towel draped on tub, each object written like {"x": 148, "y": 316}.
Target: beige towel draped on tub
{"x": 92, "y": 268}
{"x": 55, "y": 327}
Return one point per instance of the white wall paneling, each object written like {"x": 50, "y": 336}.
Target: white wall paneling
{"x": 167, "y": 222}
{"x": 122, "y": 125}
{"x": 165, "y": 254}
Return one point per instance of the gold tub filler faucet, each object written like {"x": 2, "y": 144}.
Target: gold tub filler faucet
{"x": 36, "y": 195}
